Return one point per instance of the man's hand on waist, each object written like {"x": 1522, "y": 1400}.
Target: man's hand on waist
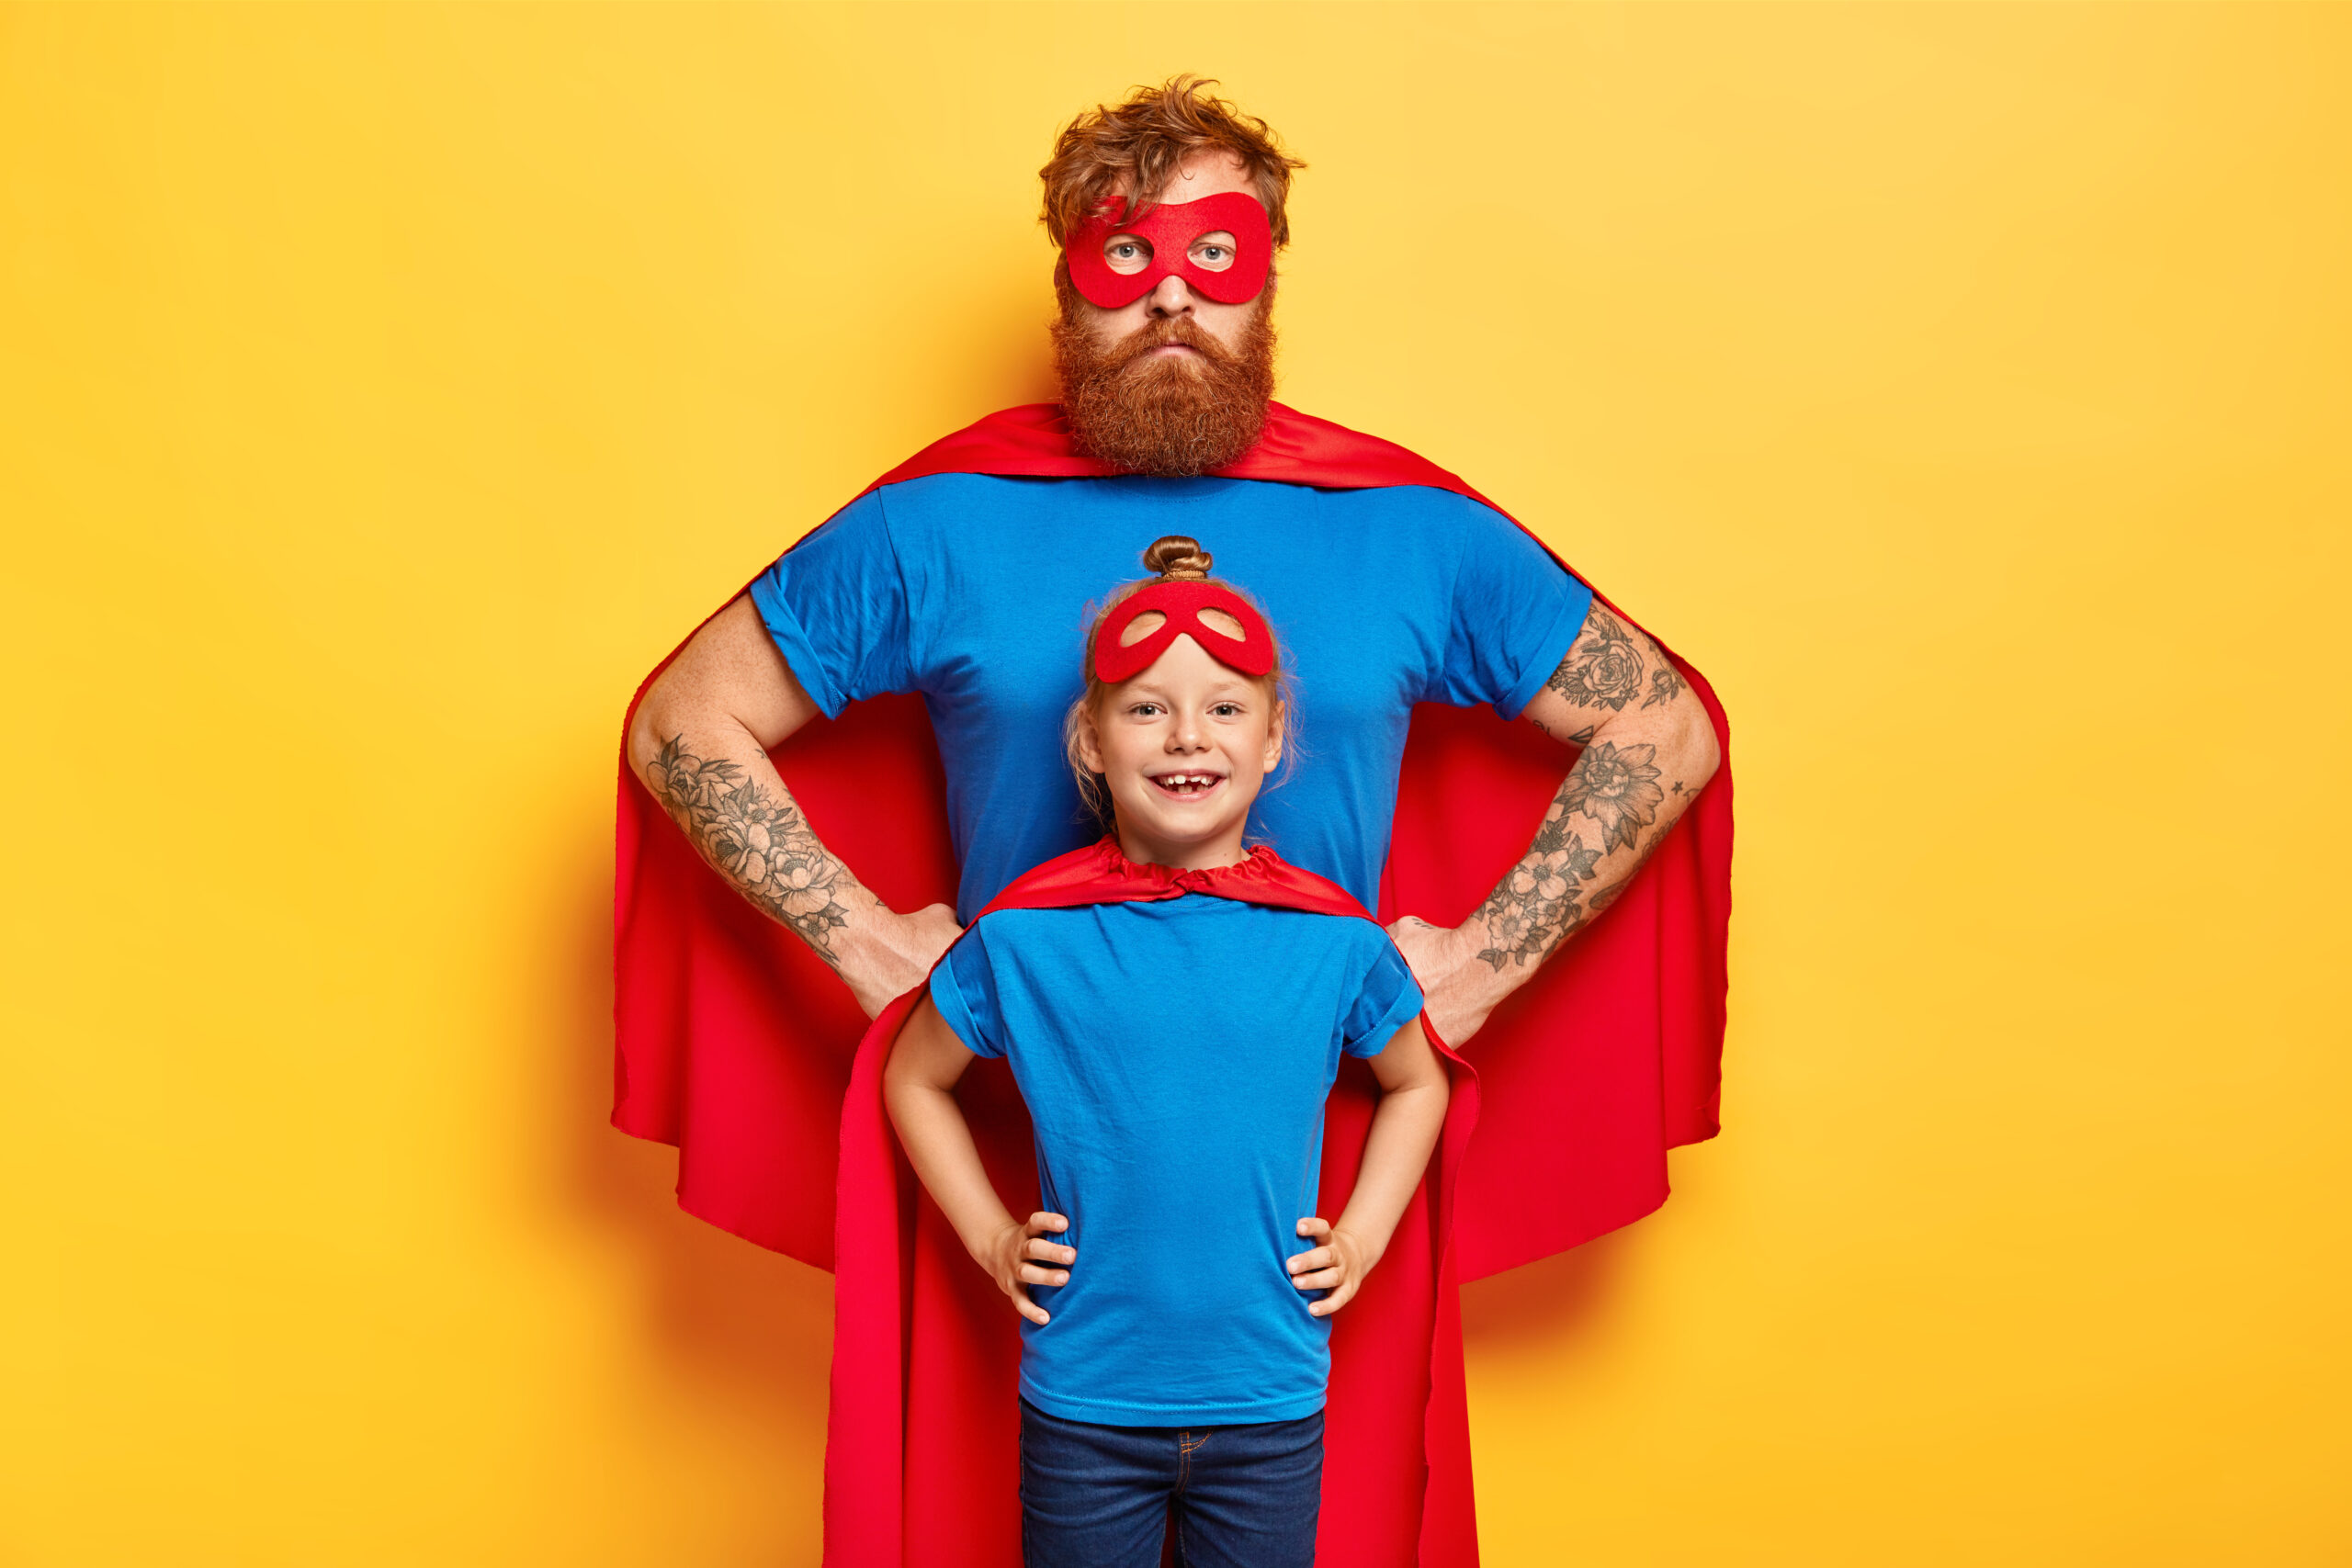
{"x": 884, "y": 955}
{"x": 1458, "y": 990}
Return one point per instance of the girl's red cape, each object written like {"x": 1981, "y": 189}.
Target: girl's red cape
{"x": 740, "y": 1047}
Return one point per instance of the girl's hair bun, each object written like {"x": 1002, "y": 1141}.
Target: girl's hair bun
{"x": 1177, "y": 559}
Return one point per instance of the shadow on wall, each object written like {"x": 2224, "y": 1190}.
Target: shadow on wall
{"x": 1549, "y": 1303}
{"x": 726, "y": 1327}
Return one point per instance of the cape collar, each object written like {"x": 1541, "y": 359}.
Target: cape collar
{"x": 1252, "y": 871}
{"x": 1102, "y": 873}
{"x": 1034, "y": 441}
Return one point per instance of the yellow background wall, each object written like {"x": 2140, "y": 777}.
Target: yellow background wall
{"x": 383, "y": 389}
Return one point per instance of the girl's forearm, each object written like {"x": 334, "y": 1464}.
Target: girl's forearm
{"x": 1405, "y": 1128}
{"x": 939, "y": 1145}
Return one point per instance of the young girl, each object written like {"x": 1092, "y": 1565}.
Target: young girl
{"x": 1175, "y": 1041}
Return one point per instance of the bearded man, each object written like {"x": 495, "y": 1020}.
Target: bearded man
{"x": 959, "y": 581}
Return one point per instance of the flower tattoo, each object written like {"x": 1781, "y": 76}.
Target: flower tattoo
{"x": 763, "y": 844}
{"x": 1616, "y": 786}
{"x": 1537, "y": 903}
{"x": 1603, "y": 669}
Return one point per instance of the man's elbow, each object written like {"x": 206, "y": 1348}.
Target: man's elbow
{"x": 647, "y": 726}
{"x": 672, "y": 710}
{"x": 1697, "y": 752}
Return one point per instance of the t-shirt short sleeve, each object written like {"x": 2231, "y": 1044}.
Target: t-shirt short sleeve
{"x": 836, "y": 605}
{"x": 1388, "y": 999}
{"x": 1515, "y": 612}
{"x": 963, "y": 987}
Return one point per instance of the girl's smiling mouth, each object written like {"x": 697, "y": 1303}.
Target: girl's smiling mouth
{"x": 1189, "y": 784}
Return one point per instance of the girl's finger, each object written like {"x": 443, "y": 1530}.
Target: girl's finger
{"x": 1043, "y": 1219}
{"x": 1033, "y": 1275}
{"x": 1325, "y": 1280}
{"x": 1319, "y": 1229}
{"x": 1331, "y": 1303}
{"x": 1321, "y": 1258}
{"x": 1029, "y": 1309}
{"x": 1048, "y": 1252}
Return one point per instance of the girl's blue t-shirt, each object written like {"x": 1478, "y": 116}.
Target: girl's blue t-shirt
{"x": 975, "y": 589}
{"x": 1175, "y": 1057}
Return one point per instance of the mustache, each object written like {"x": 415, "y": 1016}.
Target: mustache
{"x": 1161, "y": 334}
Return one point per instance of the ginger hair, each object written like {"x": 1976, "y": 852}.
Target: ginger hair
{"x": 1137, "y": 146}
{"x": 1171, "y": 558}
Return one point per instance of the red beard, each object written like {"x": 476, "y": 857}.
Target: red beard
{"x": 1168, "y": 417}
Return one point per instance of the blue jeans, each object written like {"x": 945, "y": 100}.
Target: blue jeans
{"x": 1243, "y": 1497}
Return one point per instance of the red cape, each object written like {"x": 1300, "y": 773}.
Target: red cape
{"x": 736, "y": 1043}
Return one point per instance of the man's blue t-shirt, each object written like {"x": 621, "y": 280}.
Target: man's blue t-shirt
{"x": 974, "y": 590}
{"x": 1175, "y": 1057}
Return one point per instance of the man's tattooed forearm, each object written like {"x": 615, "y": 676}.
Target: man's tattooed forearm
{"x": 760, "y": 841}
{"x": 1537, "y": 903}
{"x": 1603, "y": 668}
{"x": 1619, "y": 787}
{"x": 1616, "y": 786}
{"x": 1608, "y": 896}
{"x": 1543, "y": 897}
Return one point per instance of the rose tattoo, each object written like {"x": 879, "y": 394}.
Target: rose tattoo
{"x": 1603, "y": 669}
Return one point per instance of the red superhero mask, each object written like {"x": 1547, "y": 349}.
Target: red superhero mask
{"x": 1170, "y": 230}
{"x": 1252, "y": 653}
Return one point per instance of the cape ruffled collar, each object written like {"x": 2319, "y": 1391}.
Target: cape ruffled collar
{"x": 1249, "y": 875}
{"x": 1102, "y": 873}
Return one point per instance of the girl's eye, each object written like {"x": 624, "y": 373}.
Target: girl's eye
{"x": 1225, "y": 710}
{"x": 1145, "y": 710}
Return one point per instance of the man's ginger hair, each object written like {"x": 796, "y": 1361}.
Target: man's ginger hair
{"x": 1137, "y": 146}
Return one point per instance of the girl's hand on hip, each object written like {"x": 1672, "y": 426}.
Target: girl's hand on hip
{"x": 1019, "y": 1255}
{"x": 1339, "y": 1265}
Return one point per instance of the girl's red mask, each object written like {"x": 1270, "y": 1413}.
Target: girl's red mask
{"x": 1172, "y": 229}
{"x": 1252, "y": 653}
